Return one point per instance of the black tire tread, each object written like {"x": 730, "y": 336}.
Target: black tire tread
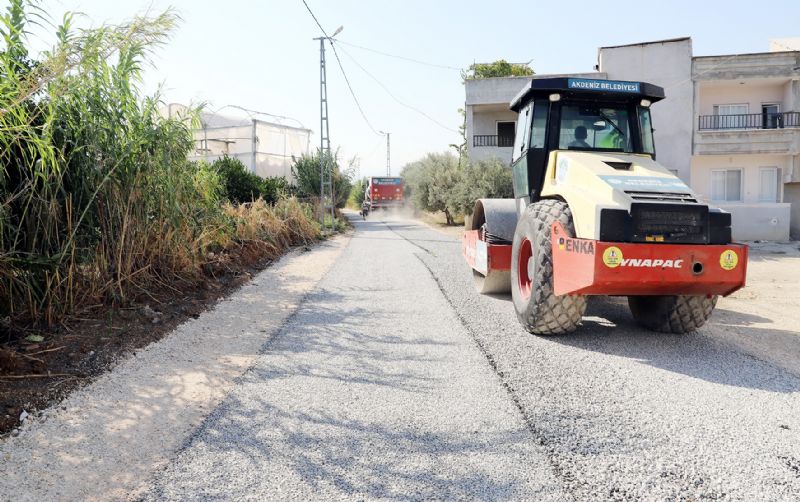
{"x": 672, "y": 314}
{"x": 550, "y": 314}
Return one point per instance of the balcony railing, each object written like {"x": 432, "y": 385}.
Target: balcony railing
{"x": 749, "y": 121}
{"x": 492, "y": 140}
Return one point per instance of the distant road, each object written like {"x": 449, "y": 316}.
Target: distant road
{"x": 395, "y": 380}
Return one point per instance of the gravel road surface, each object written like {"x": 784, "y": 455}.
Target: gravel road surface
{"x": 395, "y": 380}
{"x": 391, "y": 379}
{"x": 373, "y": 390}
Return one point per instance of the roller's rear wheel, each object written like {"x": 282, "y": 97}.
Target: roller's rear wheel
{"x": 538, "y": 308}
{"x": 672, "y": 314}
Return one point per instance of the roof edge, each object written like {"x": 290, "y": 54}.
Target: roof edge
{"x": 664, "y": 41}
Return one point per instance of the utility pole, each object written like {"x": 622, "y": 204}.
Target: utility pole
{"x": 326, "y": 198}
{"x": 388, "y": 153}
{"x": 326, "y": 189}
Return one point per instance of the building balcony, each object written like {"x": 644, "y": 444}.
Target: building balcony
{"x": 748, "y": 134}
{"x": 492, "y": 140}
{"x": 748, "y": 121}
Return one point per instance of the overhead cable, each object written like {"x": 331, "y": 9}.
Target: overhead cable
{"x": 417, "y": 61}
{"x": 400, "y": 102}
{"x": 344, "y": 74}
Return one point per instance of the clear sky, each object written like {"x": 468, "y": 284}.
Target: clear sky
{"x": 260, "y": 54}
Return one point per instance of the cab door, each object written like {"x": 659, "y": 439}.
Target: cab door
{"x": 529, "y": 159}
{"x": 519, "y": 158}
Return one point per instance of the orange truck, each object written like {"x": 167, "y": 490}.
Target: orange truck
{"x": 383, "y": 192}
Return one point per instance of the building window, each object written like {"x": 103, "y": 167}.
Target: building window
{"x": 726, "y": 185}
{"x": 505, "y": 133}
{"x": 769, "y": 187}
{"x": 731, "y": 116}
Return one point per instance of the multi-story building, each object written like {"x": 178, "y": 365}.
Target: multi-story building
{"x": 730, "y": 126}
{"x": 747, "y": 139}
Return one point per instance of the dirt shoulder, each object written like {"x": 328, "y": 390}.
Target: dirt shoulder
{"x": 763, "y": 317}
{"x": 105, "y": 439}
{"x": 40, "y": 367}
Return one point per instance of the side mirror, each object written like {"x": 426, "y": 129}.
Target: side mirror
{"x": 600, "y": 125}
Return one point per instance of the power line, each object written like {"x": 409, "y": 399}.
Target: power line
{"x": 417, "y": 110}
{"x": 424, "y": 63}
{"x": 344, "y": 74}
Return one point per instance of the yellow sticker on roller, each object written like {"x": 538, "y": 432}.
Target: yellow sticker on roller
{"x": 612, "y": 257}
{"x": 728, "y": 259}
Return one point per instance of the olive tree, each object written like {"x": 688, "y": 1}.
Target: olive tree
{"x": 430, "y": 181}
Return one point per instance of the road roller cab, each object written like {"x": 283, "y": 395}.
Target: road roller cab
{"x": 594, "y": 213}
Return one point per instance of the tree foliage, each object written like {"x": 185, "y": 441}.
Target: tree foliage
{"x": 439, "y": 182}
{"x": 482, "y": 179}
{"x": 499, "y": 68}
{"x": 306, "y": 170}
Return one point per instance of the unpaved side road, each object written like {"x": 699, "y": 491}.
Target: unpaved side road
{"x": 105, "y": 440}
{"x": 373, "y": 391}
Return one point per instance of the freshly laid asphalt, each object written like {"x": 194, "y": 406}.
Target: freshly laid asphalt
{"x": 395, "y": 380}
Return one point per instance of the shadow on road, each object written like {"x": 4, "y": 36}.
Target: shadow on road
{"x": 608, "y": 327}
{"x": 304, "y": 440}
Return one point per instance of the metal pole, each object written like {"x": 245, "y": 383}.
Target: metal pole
{"x": 325, "y": 171}
{"x": 253, "y": 140}
{"x": 388, "y": 155}
{"x": 321, "y": 125}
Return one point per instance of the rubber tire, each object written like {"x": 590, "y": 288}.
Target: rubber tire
{"x": 496, "y": 282}
{"x": 542, "y": 312}
{"x": 672, "y": 314}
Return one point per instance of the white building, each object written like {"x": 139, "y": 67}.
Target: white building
{"x": 266, "y": 148}
{"x": 730, "y": 125}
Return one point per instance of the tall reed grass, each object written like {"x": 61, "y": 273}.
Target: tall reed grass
{"x": 98, "y": 203}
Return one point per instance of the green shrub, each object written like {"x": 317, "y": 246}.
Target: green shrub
{"x": 306, "y": 170}
{"x": 240, "y": 184}
{"x": 357, "y": 194}
{"x": 98, "y": 202}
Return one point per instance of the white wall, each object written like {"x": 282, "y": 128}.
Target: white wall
{"x": 762, "y": 222}
{"x": 702, "y": 165}
{"x": 490, "y": 152}
{"x": 669, "y": 65}
{"x": 753, "y": 93}
{"x": 485, "y": 122}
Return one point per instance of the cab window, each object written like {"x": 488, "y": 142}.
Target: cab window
{"x": 595, "y": 128}
{"x": 523, "y": 121}
{"x": 539, "y": 125}
{"x": 646, "y": 126}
